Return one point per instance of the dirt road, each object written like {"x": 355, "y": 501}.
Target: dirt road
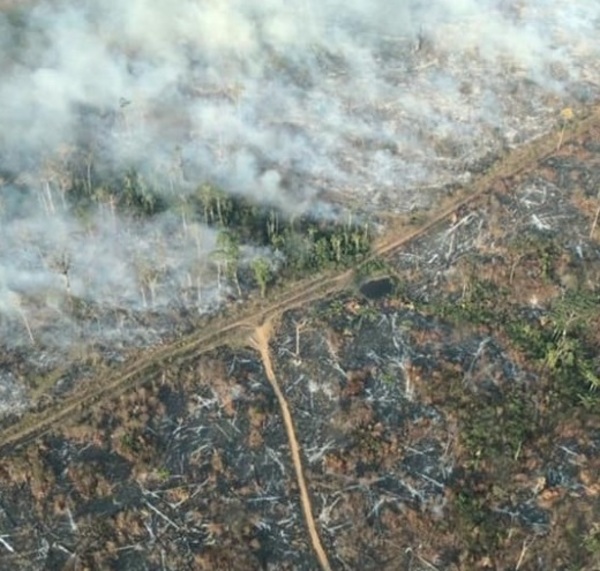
{"x": 224, "y": 329}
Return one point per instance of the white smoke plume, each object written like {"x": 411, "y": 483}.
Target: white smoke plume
{"x": 290, "y": 102}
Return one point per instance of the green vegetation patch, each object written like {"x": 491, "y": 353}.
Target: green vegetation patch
{"x": 558, "y": 339}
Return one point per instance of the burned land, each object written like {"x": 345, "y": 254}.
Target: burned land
{"x": 299, "y": 285}
{"x": 434, "y": 408}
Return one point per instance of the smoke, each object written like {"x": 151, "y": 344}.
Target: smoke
{"x": 292, "y": 103}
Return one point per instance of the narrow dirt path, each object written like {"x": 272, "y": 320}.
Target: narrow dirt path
{"x": 260, "y": 341}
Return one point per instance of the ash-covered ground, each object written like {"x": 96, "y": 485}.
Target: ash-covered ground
{"x": 107, "y": 111}
{"x": 447, "y": 417}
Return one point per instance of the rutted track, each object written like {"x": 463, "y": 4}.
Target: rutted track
{"x": 228, "y": 328}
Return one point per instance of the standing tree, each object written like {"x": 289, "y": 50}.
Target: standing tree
{"x": 228, "y": 250}
{"x": 262, "y": 273}
{"x": 272, "y": 226}
{"x": 336, "y": 242}
{"x": 206, "y": 193}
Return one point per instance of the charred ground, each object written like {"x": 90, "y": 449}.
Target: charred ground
{"x": 445, "y": 406}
